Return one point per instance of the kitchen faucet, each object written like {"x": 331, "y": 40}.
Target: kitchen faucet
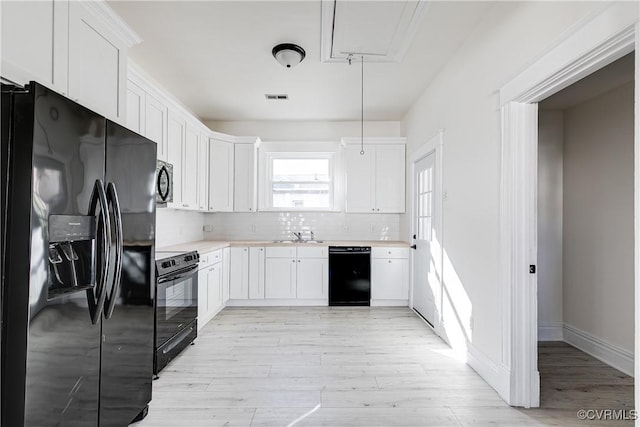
{"x": 313, "y": 236}
{"x": 298, "y": 235}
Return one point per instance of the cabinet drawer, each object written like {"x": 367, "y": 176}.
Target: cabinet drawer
{"x": 281, "y": 252}
{"x": 381, "y": 252}
{"x": 312, "y": 251}
{"x": 210, "y": 258}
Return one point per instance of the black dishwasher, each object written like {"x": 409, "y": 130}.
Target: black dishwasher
{"x": 349, "y": 276}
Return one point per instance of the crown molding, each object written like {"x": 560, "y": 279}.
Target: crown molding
{"x": 113, "y": 22}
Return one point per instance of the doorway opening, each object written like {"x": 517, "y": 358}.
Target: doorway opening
{"x": 585, "y": 242}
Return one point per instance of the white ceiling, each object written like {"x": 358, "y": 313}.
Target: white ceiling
{"x": 215, "y": 57}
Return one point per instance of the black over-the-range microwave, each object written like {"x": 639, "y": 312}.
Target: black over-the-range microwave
{"x": 164, "y": 183}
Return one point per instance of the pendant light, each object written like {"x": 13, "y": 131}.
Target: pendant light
{"x": 349, "y": 59}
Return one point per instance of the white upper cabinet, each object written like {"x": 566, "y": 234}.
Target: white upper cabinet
{"x": 175, "y": 137}
{"x": 360, "y": 169}
{"x": 34, "y": 42}
{"x": 156, "y": 124}
{"x": 245, "y": 196}
{"x": 77, "y": 48}
{"x": 190, "y": 168}
{"x": 97, "y": 64}
{"x": 221, "y": 159}
{"x": 375, "y": 181}
{"x": 135, "y": 108}
{"x": 390, "y": 178}
{"x": 203, "y": 172}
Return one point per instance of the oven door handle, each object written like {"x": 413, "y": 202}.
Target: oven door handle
{"x": 171, "y": 278}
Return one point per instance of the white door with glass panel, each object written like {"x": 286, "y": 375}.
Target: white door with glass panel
{"x": 426, "y": 283}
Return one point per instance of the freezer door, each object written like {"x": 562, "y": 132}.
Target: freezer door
{"x": 128, "y": 325}
{"x": 54, "y": 268}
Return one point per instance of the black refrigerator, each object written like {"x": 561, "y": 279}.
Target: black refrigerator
{"x": 79, "y": 264}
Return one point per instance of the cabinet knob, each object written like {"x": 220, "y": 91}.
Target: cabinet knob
{"x": 378, "y": 209}
{"x": 298, "y": 260}
{"x": 250, "y": 208}
{"x": 293, "y": 260}
{"x": 372, "y": 209}
{"x": 389, "y": 261}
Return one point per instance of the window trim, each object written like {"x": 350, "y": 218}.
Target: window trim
{"x": 270, "y": 151}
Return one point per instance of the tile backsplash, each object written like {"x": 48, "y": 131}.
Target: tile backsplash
{"x": 174, "y": 227}
{"x": 281, "y": 225}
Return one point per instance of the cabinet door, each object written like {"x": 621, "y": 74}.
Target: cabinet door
{"x": 360, "y": 183}
{"x": 135, "y": 108}
{"x": 175, "y": 138}
{"x": 221, "y": 159}
{"x": 389, "y": 279}
{"x": 313, "y": 278}
{"x": 97, "y": 64}
{"x": 34, "y": 36}
{"x": 156, "y": 124}
{"x": 226, "y": 254}
{"x": 239, "y": 273}
{"x": 214, "y": 285}
{"x": 203, "y": 297}
{"x": 203, "y": 173}
{"x": 256, "y": 273}
{"x": 280, "y": 278}
{"x": 244, "y": 192}
{"x": 390, "y": 178}
{"x": 190, "y": 169}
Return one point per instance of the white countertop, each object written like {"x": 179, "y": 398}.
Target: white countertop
{"x": 204, "y": 246}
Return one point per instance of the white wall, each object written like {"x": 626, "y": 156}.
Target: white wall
{"x": 176, "y": 226}
{"x": 305, "y": 130}
{"x": 598, "y": 217}
{"x": 280, "y": 225}
{"x": 550, "y": 142}
{"x": 464, "y": 101}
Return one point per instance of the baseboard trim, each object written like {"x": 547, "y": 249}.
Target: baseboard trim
{"x": 389, "y": 303}
{"x": 550, "y": 331}
{"x": 276, "y": 303}
{"x": 495, "y": 374}
{"x": 611, "y": 354}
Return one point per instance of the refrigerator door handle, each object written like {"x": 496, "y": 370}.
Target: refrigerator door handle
{"x": 99, "y": 200}
{"x": 112, "y": 197}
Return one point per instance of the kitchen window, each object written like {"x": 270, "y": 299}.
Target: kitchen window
{"x": 298, "y": 181}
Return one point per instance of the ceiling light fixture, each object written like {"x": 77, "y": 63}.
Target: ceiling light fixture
{"x": 288, "y": 54}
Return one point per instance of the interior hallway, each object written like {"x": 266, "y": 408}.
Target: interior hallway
{"x": 327, "y": 366}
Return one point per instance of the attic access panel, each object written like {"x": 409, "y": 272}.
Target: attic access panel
{"x": 381, "y": 30}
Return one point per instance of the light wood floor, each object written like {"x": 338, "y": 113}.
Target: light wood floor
{"x": 328, "y": 367}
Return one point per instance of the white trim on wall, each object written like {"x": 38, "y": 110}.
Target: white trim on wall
{"x": 605, "y": 37}
{"x": 610, "y": 354}
{"x": 550, "y": 331}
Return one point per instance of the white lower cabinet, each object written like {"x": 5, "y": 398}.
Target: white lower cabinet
{"x": 280, "y": 282}
{"x": 296, "y": 273}
{"x": 210, "y": 286}
{"x": 299, "y": 275}
{"x": 256, "y": 273}
{"x": 312, "y": 278}
{"x": 226, "y": 267}
{"x": 389, "y": 276}
{"x": 239, "y": 273}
